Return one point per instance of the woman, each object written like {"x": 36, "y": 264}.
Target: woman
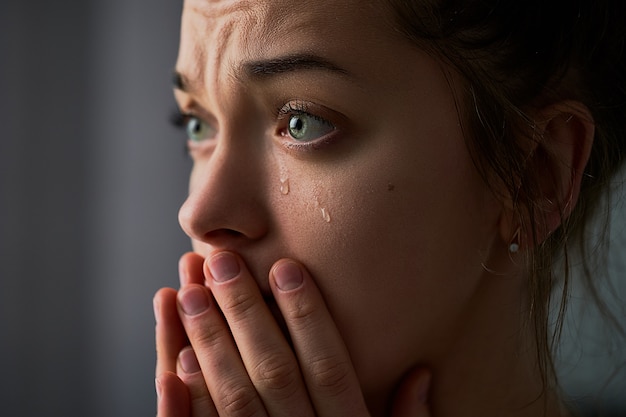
{"x": 377, "y": 193}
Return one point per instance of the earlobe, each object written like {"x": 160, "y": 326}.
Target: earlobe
{"x": 561, "y": 144}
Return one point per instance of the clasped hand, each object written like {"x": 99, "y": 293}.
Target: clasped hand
{"x": 221, "y": 351}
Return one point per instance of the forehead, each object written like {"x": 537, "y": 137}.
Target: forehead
{"x": 259, "y": 19}
{"x": 218, "y": 32}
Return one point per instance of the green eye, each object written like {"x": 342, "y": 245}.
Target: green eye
{"x": 305, "y": 127}
{"x": 198, "y": 130}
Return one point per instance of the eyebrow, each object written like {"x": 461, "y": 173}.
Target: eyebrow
{"x": 267, "y": 68}
{"x": 180, "y": 82}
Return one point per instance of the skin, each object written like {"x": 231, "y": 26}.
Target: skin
{"x": 402, "y": 247}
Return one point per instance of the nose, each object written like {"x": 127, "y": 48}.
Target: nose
{"x": 226, "y": 198}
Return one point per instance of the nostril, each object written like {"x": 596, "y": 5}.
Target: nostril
{"x": 224, "y": 232}
{"x": 222, "y": 237}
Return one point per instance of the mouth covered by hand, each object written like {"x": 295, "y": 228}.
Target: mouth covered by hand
{"x": 225, "y": 348}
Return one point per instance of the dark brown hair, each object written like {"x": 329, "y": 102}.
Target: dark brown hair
{"x": 514, "y": 56}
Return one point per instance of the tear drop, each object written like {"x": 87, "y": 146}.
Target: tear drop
{"x": 325, "y": 215}
{"x": 284, "y": 186}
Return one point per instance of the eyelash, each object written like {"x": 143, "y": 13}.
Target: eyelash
{"x": 179, "y": 120}
{"x": 291, "y": 108}
{"x": 297, "y": 108}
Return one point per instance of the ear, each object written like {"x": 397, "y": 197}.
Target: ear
{"x": 557, "y": 156}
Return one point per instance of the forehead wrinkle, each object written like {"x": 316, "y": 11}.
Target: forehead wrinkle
{"x": 212, "y": 9}
{"x": 224, "y": 35}
{"x": 222, "y": 25}
{"x": 195, "y": 77}
{"x": 242, "y": 31}
{"x": 237, "y": 33}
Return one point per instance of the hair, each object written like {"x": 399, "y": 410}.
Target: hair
{"x": 515, "y": 56}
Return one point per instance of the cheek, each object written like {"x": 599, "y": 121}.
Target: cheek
{"x": 388, "y": 246}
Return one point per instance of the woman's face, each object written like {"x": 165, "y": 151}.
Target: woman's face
{"x": 326, "y": 137}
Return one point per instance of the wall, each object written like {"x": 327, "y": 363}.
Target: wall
{"x": 91, "y": 177}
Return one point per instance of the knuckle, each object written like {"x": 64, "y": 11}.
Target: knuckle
{"x": 331, "y": 375}
{"x": 208, "y": 335}
{"x": 302, "y": 315}
{"x": 239, "y": 402}
{"x": 277, "y": 374}
{"x": 239, "y": 304}
{"x": 201, "y": 405}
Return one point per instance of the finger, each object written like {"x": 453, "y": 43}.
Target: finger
{"x": 225, "y": 376}
{"x": 411, "y": 399}
{"x": 173, "y": 397}
{"x": 190, "y": 373}
{"x": 169, "y": 331}
{"x": 330, "y": 377}
{"x": 170, "y": 334}
{"x": 265, "y": 352}
{"x": 190, "y": 269}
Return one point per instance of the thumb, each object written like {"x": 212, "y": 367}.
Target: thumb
{"x": 411, "y": 398}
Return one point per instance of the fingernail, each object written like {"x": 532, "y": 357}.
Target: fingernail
{"x": 224, "y": 266}
{"x": 288, "y": 276}
{"x": 188, "y": 361}
{"x": 423, "y": 388}
{"x": 193, "y": 300}
{"x": 158, "y": 388}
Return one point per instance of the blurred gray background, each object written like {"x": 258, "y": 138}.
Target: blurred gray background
{"x": 91, "y": 177}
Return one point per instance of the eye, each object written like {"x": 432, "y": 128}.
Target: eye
{"x": 305, "y": 127}
{"x": 198, "y": 130}
{"x": 302, "y": 124}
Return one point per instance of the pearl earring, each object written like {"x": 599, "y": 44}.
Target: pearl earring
{"x": 514, "y": 245}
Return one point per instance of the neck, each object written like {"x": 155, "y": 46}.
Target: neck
{"x": 490, "y": 367}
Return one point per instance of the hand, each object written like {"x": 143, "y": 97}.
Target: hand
{"x": 246, "y": 365}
